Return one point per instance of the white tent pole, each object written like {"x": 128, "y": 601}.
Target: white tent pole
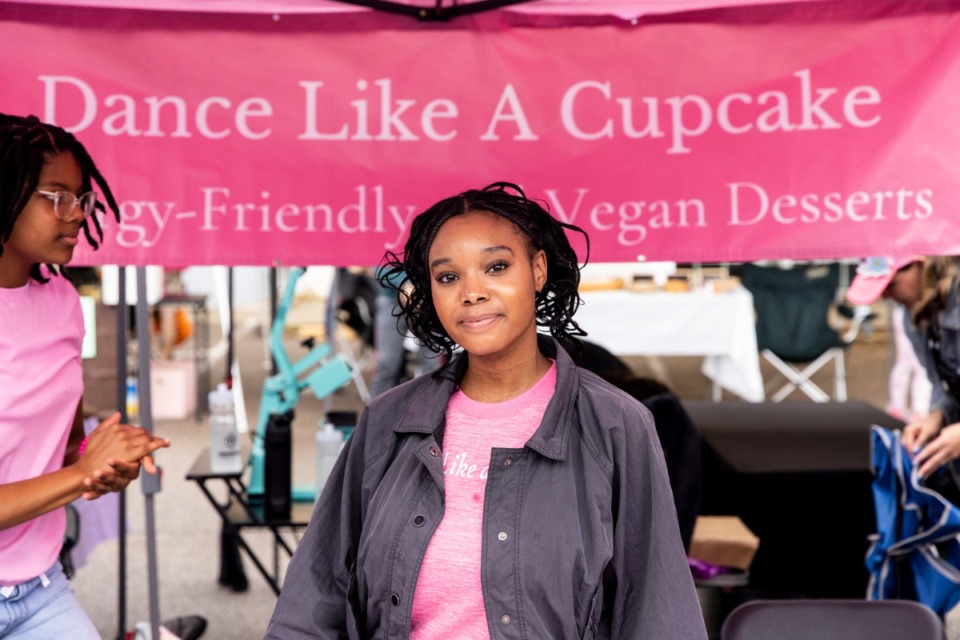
{"x": 149, "y": 483}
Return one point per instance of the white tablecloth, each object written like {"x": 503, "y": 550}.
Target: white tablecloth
{"x": 718, "y": 326}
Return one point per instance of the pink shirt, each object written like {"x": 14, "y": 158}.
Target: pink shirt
{"x": 41, "y": 383}
{"x": 448, "y": 600}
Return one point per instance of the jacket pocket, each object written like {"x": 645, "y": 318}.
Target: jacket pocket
{"x": 590, "y": 623}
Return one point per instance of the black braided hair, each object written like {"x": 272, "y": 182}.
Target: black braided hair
{"x": 556, "y": 302}
{"x": 26, "y": 144}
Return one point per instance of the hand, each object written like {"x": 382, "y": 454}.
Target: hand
{"x": 114, "y": 454}
{"x": 939, "y": 451}
{"x": 920, "y": 431}
{"x": 116, "y": 478}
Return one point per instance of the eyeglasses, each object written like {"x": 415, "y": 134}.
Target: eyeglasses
{"x": 64, "y": 203}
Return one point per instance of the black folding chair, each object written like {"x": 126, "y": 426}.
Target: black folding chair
{"x": 832, "y": 620}
{"x": 793, "y": 332}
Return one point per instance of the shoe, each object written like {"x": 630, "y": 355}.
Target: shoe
{"x": 186, "y": 627}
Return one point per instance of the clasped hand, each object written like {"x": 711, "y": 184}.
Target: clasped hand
{"x": 930, "y": 446}
{"x": 114, "y": 454}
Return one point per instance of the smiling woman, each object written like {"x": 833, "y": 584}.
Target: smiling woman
{"x": 508, "y": 494}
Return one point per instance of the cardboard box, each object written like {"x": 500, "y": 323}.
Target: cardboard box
{"x": 724, "y": 541}
{"x": 173, "y": 389}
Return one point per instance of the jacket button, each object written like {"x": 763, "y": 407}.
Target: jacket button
{"x": 395, "y": 599}
{"x": 418, "y": 521}
{"x": 505, "y": 619}
{"x": 434, "y": 451}
{"x": 502, "y": 536}
{"x": 508, "y": 462}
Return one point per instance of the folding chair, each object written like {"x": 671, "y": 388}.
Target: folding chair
{"x": 792, "y": 308}
{"x": 832, "y": 620}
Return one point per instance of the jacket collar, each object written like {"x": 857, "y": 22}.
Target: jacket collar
{"x": 426, "y": 408}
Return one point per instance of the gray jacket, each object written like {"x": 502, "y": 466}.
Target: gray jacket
{"x": 592, "y": 547}
{"x": 949, "y": 351}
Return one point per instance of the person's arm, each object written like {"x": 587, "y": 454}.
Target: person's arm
{"x": 943, "y": 409}
{"x": 28, "y": 499}
{"x": 919, "y": 344}
{"x": 653, "y": 593}
{"x": 112, "y": 450}
{"x": 77, "y": 434}
{"x": 315, "y": 602}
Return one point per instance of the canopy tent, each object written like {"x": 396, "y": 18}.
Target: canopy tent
{"x": 296, "y": 132}
{"x": 299, "y": 132}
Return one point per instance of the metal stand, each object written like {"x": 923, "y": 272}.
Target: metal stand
{"x": 150, "y": 484}
{"x": 123, "y": 326}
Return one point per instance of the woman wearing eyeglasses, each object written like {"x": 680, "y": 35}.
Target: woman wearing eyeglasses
{"x": 46, "y": 202}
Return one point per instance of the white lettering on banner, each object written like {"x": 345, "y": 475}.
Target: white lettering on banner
{"x": 142, "y": 223}
{"x": 393, "y": 126}
{"x": 808, "y": 108}
{"x": 368, "y": 213}
{"x": 630, "y": 218}
{"x": 509, "y": 109}
{"x": 628, "y": 222}
{"x": 590, "y": 110}
{"x": 750, "y": 204}
{"x": 165, "y": 116}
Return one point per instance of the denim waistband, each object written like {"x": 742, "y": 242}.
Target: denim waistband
{"x": 43, "y": 579}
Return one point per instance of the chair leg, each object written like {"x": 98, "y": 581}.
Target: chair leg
{"x": 816, "y": 393}
{"x": 799, "y": 378}
{"x": 356, "y": 367}
{"x": 840, "y": 377}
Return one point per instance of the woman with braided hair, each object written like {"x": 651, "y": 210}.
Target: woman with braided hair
{"x": 509, "y": 494}
{"x": 46, "y": 200}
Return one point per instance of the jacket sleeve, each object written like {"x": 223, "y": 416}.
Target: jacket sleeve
{"x": 654, "y": 596}
{"x": 315, "y": 599}
{"x": 939, "y": 399}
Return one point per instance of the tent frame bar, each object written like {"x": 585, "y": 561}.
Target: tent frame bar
{"x": 439, "y": 12}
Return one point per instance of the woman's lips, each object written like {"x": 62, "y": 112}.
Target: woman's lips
{"x": 477, "y": 323}
{"x": 70, "y": 240}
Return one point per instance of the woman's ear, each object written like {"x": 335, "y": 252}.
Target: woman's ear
{"x": 540, "y": 269}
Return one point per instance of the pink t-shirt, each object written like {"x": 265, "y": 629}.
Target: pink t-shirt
{"x": 41, "y": 383}
{"x": 448, "y": 601}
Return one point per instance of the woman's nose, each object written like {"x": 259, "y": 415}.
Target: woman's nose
{"x": 473, "y": 291}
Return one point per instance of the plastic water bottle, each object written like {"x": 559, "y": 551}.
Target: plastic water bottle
{"x": 329, "y": 444}
{"x": 225, "y": 454}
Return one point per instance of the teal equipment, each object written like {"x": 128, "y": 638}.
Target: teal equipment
{"x": 319, "y": 371}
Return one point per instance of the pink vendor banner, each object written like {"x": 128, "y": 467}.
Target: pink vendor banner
{"x": 804, "y": 131}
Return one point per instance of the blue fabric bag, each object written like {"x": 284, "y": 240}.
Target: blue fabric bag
{"x": 913, "y": 522}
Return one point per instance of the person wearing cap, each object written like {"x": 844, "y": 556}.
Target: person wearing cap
{"x": 927, "y": 288}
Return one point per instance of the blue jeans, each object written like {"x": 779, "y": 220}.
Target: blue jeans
{"x": 44, "y": 608}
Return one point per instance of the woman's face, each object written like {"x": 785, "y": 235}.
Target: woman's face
{"x": 38, "y": 235}
{"x": 907, "y": 285}
{"x": 484, "y": 284}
